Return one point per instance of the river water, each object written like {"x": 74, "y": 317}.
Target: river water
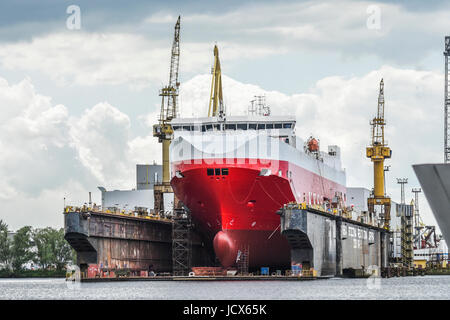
{"x": 420, "y": 288}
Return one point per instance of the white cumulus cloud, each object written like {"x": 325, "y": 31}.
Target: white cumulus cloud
{"x": 90, "y": 59}
{"x": 49, "y": 154}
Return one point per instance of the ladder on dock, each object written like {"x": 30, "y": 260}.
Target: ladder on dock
{"x": 242, "y": 260}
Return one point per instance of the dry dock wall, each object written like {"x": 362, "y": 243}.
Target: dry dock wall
{"x": 114, "y": 241}
{"x": 331, "y": 244}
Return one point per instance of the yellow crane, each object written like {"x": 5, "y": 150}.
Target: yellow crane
{"x": 377, "y": 152}
{"x": 163, "y": 130}
{"x": 216, "y": 108}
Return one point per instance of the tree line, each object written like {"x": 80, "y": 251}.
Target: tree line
{"x": 46, "y": 248}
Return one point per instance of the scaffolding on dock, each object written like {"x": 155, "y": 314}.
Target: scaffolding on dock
{"x": 181, "y": 243}
{"x": 242, "y": 260}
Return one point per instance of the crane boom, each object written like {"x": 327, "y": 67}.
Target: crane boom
{"x": 163, "y": 130}
{"x": 378, "y": 122}
{"x": 216, "y": 97}
{"x": 169, "y": 110}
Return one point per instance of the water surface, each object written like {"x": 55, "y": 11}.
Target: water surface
{"x": 419, "y": 288}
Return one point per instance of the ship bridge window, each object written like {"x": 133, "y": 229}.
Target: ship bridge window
{"x": 287, "y": 125}
{"x": 230, "y": 126}
{"x": 242, "y": 126}
{"x": 203, "y": 128}
{"x": 216, "y": 171}
{"x": 278, "y": 125}
{"x": 261, "y": 126}
{"x": 269, "y": 126}
{"x": 175, "y": 128}
{"x": 217, "y": 127}
{"x": 209, "y": 127}
{"x": 196, "y": 128}
{"x": 252, "y": 126}
{"x": 187, "y": 128}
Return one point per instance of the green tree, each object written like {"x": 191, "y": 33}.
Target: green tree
{"x": 63, "y": 250}
{"x": 21, "y": 248}
{"x": 5, "y": 246}
{"x": 52, "y": 249}
{"x": 44, "y": 240}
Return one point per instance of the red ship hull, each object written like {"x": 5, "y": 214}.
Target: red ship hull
{"x": 238, "y": 210}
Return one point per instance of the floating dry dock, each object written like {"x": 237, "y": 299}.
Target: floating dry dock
{"x": 333, "y": 245}
{"x": 329, "y": 244}
{"x": 115, "y": 242}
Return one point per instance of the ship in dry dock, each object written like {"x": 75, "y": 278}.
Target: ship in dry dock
{"x": 235, "y": 172}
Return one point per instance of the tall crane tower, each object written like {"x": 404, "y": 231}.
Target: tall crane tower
{"x": 163, "y": 130}
{"x": 402, "y": 182}
{"x": 447, "y": 103}
{"x": 417, "y": 225}
{"x": 216, "y": 108}
{"x": 377, "y": 152}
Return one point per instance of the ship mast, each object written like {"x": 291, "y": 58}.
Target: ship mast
{"x": 216, "y": 97}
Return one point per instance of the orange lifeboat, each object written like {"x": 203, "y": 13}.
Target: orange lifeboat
{"x": 313, "y": 145}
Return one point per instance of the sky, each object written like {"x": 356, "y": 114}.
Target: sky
{"x": 79, "y": 92}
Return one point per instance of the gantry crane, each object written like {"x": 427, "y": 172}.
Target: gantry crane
{"x": 163, "y": 130}
{"x": 216, "y": 108}
{"x": 377, "y": 152}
